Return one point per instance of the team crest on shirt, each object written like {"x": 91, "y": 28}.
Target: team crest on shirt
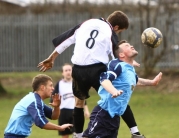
{"x": 68, "y": 95}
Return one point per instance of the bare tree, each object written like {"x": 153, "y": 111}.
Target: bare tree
{"x": 149, "y": 17}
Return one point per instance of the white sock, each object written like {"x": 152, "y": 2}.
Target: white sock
{"x": 134, "y": 129}
{"x": 79, "y": 134}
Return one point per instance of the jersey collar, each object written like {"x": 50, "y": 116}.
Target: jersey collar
{"x": 106, "y": 22}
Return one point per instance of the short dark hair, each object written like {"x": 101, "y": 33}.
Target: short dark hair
{"x": 40, "y": 79}
{"x": 117, "y": 49}
{"x": 118, "y": 18}
{"x": 122, "y": 41}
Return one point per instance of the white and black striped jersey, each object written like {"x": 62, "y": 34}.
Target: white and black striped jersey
{"x": 64, "y": 89}
{"x": 94, "y": 40}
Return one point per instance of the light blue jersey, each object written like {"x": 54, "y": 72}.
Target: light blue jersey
{"x": 27, "y": 111}
{"x": 123, "y": 77}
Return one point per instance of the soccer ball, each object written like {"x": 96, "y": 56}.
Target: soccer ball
{"x": 151, "y": 37}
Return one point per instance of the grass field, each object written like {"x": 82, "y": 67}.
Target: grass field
{"x": 156, "y": 113}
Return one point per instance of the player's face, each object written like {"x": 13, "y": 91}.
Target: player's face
{"x": 48, "y": 89}
{"x": 67, "y": 71}
{"x": 128, "y": 50}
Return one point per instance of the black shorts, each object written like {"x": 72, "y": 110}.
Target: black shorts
{"x": 102, "y": 125}
{"x": 85, "y": 77}
{"x": 66, "y": 116}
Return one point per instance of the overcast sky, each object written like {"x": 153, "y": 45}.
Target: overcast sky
{"x": 27, "y": 2}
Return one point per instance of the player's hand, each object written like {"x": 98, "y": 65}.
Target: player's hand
{"x": 117, "y": 93}
{"x": 46, "y": 64}
{"x": 56, "y": 100}
{"x": 63, "y": 127}
{"x": 136, "y": 64}
{"x": 157, "y": 79}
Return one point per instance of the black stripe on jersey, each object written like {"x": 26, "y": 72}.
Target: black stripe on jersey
{"x": 59, "y": 39}
{"x": 114, "y": 37}
{"x": 35, "y": 109}
{"x": 106, "y": 22}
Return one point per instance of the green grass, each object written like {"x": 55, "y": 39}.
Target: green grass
{"x": 17, "y": 83}
{"x": 156, "y": 113}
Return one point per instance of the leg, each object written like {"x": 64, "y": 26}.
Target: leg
{"x": 78, "y": 114}
{"x": 65, "y": 136}
{"x": 102, "y": 125}
{"x": 66, "y": 116}
{"x": 83, "y": 79}
{"x": 129, "y": 119}
{"x": 78, "y": 120}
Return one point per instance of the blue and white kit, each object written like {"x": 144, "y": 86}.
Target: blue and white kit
{"x": 28, "y": 111}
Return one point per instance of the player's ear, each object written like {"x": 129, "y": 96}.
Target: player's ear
{"x": 42, "y": 87}
{"x": 116, "y": 28}
{"x": 121, "y": 55}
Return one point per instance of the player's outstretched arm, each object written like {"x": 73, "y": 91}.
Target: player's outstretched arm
{"x": 51, "y": 126}
{"x": 148, "y": 82}
{"x": 49, "y": 62}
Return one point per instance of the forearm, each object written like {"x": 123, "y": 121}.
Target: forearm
{"x": 86, "y": 111}
{"x": 107, "y": 85}
{"x": 51, "y": 126}
{"x": 55, "y": 113}
{"x": 54, "y": 55}
{"x": 86, "y": 108}
{"x": 145, "y": 82}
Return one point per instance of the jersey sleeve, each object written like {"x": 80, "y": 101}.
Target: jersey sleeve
{"x": 35, "y": 109}
{"x": 48, "y": 111}
{"x": 64, "y": 40}
{"x": 114, "y": 39}
{"x": 113, "y": 71}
